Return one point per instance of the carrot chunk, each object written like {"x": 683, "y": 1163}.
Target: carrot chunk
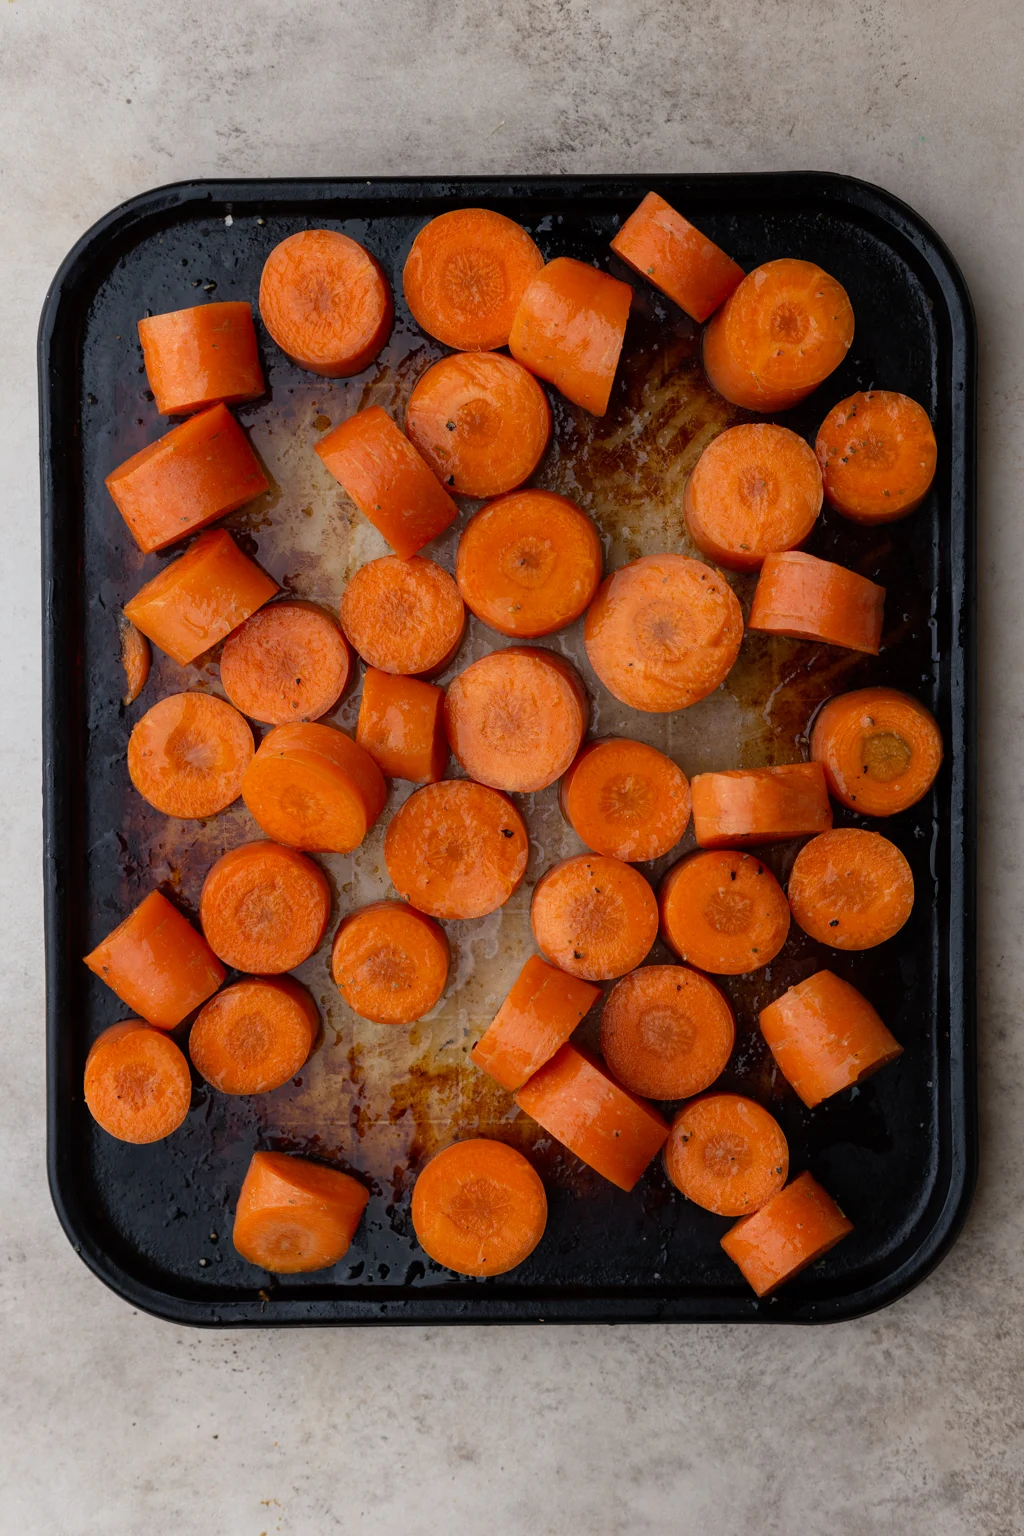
{"x": 294, "y": 1216}
{"x": 727, "y": 1154}
{"x": 536, "y": 1018}
{"x": 465, "y": 275}
{"x": 659, "y": 244}
{"x": 401, "y": 725}
{"x": 390, "y": 962}
{"x": 201, "y": 356}
{"x": 188, "y": 754}
{"x": 810, "y": 599}
{"x": 851, "y": 889}
{"x": 667, "y": 1032}
{"x": 880, "y": 750}
{"x": 723, "y": 911}
{"x": 755, "y": 490}
{"x": 825, "y": 1036}
{"x": 877, "y": 454}
{"x": 136, "y": 658}
{"x": 479, "y": 1208}
{"x": 569, "y": 329}
{"x": 481, "y": 421}
{"x": 200, "y": 597}
{"x": 288, "y": 662}
{"x": 797, "y": 1226}
{"x": 515, "y": 718}
{"x": 311, "y": 787}
{"x": 264, "y": 908}
{"x": 137, "y": 1083}
{"x": 759, "y": 805}
{"x": 456, "y": 849}
{"x": 625, "y": 799}
{"x": 157, "y": 964}
{"x": 594, "y": 917}
{"x": 254, "y": 1035}
{"x": 326, "y": 302}
{"x": 403, "y": 616}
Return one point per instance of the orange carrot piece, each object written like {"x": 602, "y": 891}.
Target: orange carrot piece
{"x": 288, "y": 662}
{"x": 157, "y": 964}
{"x": 200, "y": 597}
{"x": 311, "y": 787}
{"x": 825, "y": 1036}
{"x": 294, "y": 1216}
{"x": 456, "y": 849}
{"x": 188, "y": 754}
{"x": 481, "y": 421}
{"x": 326, "y": 302}
{"x": 264, "y": 908}
{"x": 515, "y": 718}
{"x": 594, "y": 917}
{"x": 137, "y": 1083}
{"x": 659, "y": 244}
{"x": 254, "y": 1035}
{"x": 810, "y": 599}
{"x": 797, "y": 1226}
{"x": 625, "y": 799}
{"x": 479, "y": 1208}
{"x": 201, "y": 356}
{"x": 401, "y": 725}
{"x": 877, "y": 454}
{"x": 723, "y": 911}
{"x": 403, "y": 616}
{"x": 667, "y": 1032}
{"x": 759, "y": 805}
{"x": 390, "y": 962}
{"x": 851, "y": 889}
{"x": 465, "y": 275}
{"x": 569, "y": 329}
{"x": 880, "y": 750}
{"x": 727, "y": 1154}
{"x": 535, "y": 1020}
{"x": 755, "y": 490}
{"x": 136, "y": 658}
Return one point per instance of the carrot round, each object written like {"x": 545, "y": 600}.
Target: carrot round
{"x": 254, "y": 1035}
{"x": 851, "y": 889}
{"x": 667, "y": 1032}
{"x": 200, "y": 597}
{"x": 401, "y": 725}
{"x": 481, "y": 421}
{"x": 726, "y": 1154}
{"x": 536, "y": 1018}
{"x": 625, "y": 799}
{"x": 659, "y": 244}
{"x": 594, "y": 917}
{"x": 157, "y": 964}
{"x": 825, "y": 1036}
{"x": 755, "y": 490}
{"x": 264, "y": 908}
{"x": 288, "y": 662}
{"x": 880, "y": 750}
{"x": 188, "y": 754}
{"x": 137, "y": 1083}
{"x": 136, "y": 658}
{"x": 294, "y": 1216}
{"x": 390, "y": 962}
{"x": 465, "y": 275}
{"x": 797, "y": 1226}
{"x": 569, "y": 329}
{"x": 877, "y": 454}
{"x": 810, "y": 599}
{"x": 663, "y": 632}
{"x": 311, "y": 787}
{"x": 723, "y": 911}
{"x": 759, "y": 805}
{"x": 456, "y": 849}
{"x": 202, "y": 356}
{"x": 784, "y": 329}
{"x": 515, "y": 718}
{"x": 326, "y": 302}
{"x": 403, "y": 616}
{"x": 479, "y": 1208}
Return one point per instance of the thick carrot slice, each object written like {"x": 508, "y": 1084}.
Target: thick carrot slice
{"x": 515, "y": 718}
{"x": 202, "y": 356}
{"x": 465, "y": 275}
{"x": 536, "y": 1018}
{"x": 294, "y": 1216}
{"x": 288, "y": 662}
{"x": 456, "y": 849}
{"x": 326, "y": 302}
{"x": 810, "y": 599}
{"x": 311, "y": 787}
{"x": 403, "y": 616}
{"x": 594, "y": 917}
{"x": 797, "y": 1226}
{"x": 880, "y": 750}
{"x": 390, "y": 962}
{"x": 157, "y": 964}
{"x": 200, "y": 597}
{"x": 137, "y": 1083}
{"x": 851, "y": 889}
{"x": 188, "y": 754}
{"x": 663, "y": 632}
{"x": 666, "y": 1031}
{"x": 759, "y": 805}
{"x": 723, "y": 911}
{"x": 608, "y": 1128}
{"x": 784, "y": 329}
{"x": 390, "y": 482}
{"x": 481, "y": 421}
{"x": 254, "y": 1035}
{"x": 625, "y": 799}
{"x": 826, "y": 1036}
{"x": 877, "y": 454}
{"x": 569, "y": 329}
{"x": 136, "y": 658}
{"x": 479, "y": 1208}
{"x": 264, "y": 908}
{"x": 659, "y": 244}
{"x": 755, "y": 490}
{"x": 401, "y": 725}
{"x": 727, "y": 1154}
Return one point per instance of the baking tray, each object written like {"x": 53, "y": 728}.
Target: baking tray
{"x": 898, "y": 1152}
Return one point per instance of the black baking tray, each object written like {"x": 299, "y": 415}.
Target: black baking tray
{"x": 899, "y": 1153}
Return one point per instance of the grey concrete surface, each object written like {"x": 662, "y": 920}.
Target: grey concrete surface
{"x": 907, "y": 1422}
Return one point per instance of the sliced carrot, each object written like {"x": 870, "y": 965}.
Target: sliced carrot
{"x": 825, "y": 1036}
{"x": 136, "y": 658}
{"x": 594, "y": 917}
{"x": 157, "y": 964}
{"x": 390, "y": 962}
{"x": 723, "y": 911}
{"x": 877, "y": 453}
{"x": 726, "y": 1154}
{"x": 188, "y": 754}
{"x": 536, "y": 1018}
{"x": 202, "y": 356}
{"x": 264, "y": 908}
{"x": 326, "y": 302}
{"x": 759, "y": 805}
{"x": 465, "y": 275}
{"x": 403, "y": 616}
{"x": 288, "y": 662}
{"x": 401, "y": 725}
{"x": 797, "y": 1226}
{"x": 479, "y": 1208}
{"x": 880, "y": 750}
{"x": 784, "y": 329}
{"x": 481, "y": 421}
{"x": 311, "y": 787}
{"x": 625, "y": 799}
{"x": 659, "y": 244}
{"x": 569, "y": 329}
{"x": 254, "y": 1035}
{"x": 667, "y": 1032}
{"x": 663, "y": 632}
{"x": 200, "y": 597}
{"x": 390, "y": 482}
{"x": 608, "y": 1128}
{"x": 755, "y": 490}
{"x": 456, "y": 849}
{"x": 294, "y": 1216}
{"x": 851, "y": 889}
{"x": 810, "y": 599}
{"x": 137, "y": 1083}
{"x": 515, "y": 718}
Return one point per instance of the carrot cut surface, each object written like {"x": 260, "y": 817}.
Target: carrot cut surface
{"x": 456, "y": 849}
{"x": 157, "y": 964}
{"x": 727, "y": 1154}
{"x": 569, "y": 329}
{"x": 877, "y": 453}
{"x": 390, "y": 962}
{"x": 326, "y": 302}
{"x": 810, "y": 599}
{"x": 755, "y": 490}
{"x": 403, "y": 616}
{"x": 797, "y": 1226}
{"x": 880, "y": 750}
{"x": 264, "y": 908}
{"x": 515, "y": 718}
{"x": 851, "y": 889}
{"x": 254, "y": 1035}
{"x": 200, "y": 597}
{"x": 401, "y": 725}
{"x": 311, "y": 787}
{"x": 479, "y": 1208}
{"x": 594, "y": 917}
{"x": 536, "y": 1018}
{"x": 288, "y": 662}
{"x": 659, "y": 244}
{"x": 825, "y": 1036}
{"x": 625, "y": 799}
{"x": 294, "y": 1216}
{"x": 723, "y": 911}
{"x": 137, "y": 1083}
{"x": 759, "y": 805}
{"x": 136, "y": 658}
{"x": 481, "y": 421}
{"x": 465, "y": 275}
{"x": 202, "y": 356}
{"x": 666, "y": 1031}
{"x": 187, "y": 756}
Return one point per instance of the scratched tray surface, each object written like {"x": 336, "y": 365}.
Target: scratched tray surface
{"x": 156, "y": 1221}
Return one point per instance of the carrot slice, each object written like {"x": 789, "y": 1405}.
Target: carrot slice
{"x": 880, "y": 750}
{"x": 663, "y": 632}
{"x": 659, "y": 244}
{"x": 264, "y": 908}
{"x": 608, "y": 1128}
{"x": 200, "y": 597}
{"x": 877, "y": 454}
{"x": 784, "y": 329}
{"x": 755, "y": 490}
{"x": 403, "y": 616}
{"x": 390, "y": 962}
{"x": 481, "y": 421}
{"x": 202, "y": 356}
{"x": 726, "y": 1154}
{"x": 288, "y": 662}
{"x": 157, "y": 964}
{"x": 810, "y": 599}
{"x": 326, "y": 302}
{"x": 851, "y": 889}
{"x": 625, "y": 799}
{"x": 759, "y": 805}
{"x": 137, "y": 1083}
{"x": 254, "y": 1035}
{"x": 667, "y": 1032}
{"x": 594, "y": 917}
{"x": 294, "y": 1216}
{"x": 311, "y": 787}
{"x": 479, "y": 1208}
{"x": 536, "y": 1018}
{"x": 188, "y": 754}
{"x": 136, "y": 658}
{"x": 825, "y": 1036}
{"x": 515, "y": 718}
{"x": 465, "y": 275}
{"x": 569, "y": 329}
{"x": 723, "y": 911}
{"x": 797, "y": 1226}
{"x": 390, "y": 482}
{"x": 456, "y": 849}
{"x": 401, "y": 725}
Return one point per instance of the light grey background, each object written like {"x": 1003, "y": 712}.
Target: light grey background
{"x": 907, "y": 1422}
